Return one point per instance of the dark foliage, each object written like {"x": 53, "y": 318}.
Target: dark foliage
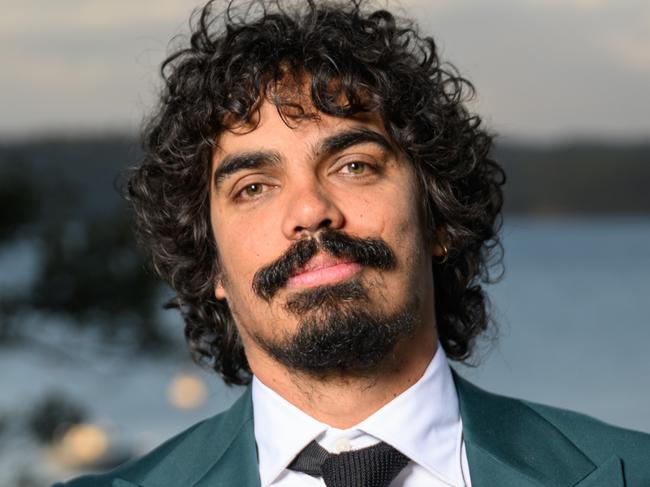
{"x": 18, "y": 204}
{"x": 53, "y": 416}
{"x": 57, "y": 199}
{"x": 91, "y": 272}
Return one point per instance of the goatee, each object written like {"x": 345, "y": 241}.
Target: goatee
{"x": 340, "y": 331}
{"x": 342, "y": 338}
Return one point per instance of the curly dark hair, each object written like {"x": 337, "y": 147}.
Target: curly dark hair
{"x": 355, "y": 59}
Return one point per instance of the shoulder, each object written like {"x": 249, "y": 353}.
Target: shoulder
{"x": 182, "y": 458}
{"x": 598, "y": 440}
{"x": 527, "y": 433}
{"x": 136, "y": 468}
{"x": 105, "y": 480}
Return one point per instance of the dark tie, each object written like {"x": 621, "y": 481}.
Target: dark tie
{"x": 375, "y": 466}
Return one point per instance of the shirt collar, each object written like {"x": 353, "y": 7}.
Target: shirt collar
{"x": 423, "y": 422}
{"x": 281, "y": 431}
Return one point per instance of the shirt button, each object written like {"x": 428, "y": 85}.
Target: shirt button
{"x": 341, "y": 445}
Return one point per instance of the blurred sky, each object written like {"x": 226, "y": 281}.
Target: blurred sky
{"x": 544, "y": 69}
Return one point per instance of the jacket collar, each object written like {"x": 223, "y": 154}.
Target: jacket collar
{"x": 509, "y": 444}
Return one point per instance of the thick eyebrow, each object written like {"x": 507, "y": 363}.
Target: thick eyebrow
{"x": 244, "y": 160}
{"x": 260, "y": 159}
{"x": 348, "y": 138}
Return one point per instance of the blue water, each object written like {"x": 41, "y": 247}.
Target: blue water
{"x": 573, "y": 318}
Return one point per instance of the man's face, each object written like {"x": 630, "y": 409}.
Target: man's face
{"x": 319, "y": 234}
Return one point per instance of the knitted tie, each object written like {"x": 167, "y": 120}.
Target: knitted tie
{"x": 375, "y": 466}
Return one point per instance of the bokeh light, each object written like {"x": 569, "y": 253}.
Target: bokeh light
{"x": 187, "y": 391}
{"x": 81, "y": 445}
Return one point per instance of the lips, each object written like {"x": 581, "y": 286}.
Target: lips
{"x": 323, "y": 269}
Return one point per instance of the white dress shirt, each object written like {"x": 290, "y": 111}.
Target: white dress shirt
{"x": 423, "y": 423}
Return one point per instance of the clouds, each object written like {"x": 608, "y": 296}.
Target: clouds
{"x": 553, "y": 69}
{"x": 543, "y": 68}
{"x": 83, "y": 64}
{"x": 22, "y": 18}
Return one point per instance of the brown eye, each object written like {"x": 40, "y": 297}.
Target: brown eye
{"x": 254, "y": 189}
{"x": 356, "y": 167}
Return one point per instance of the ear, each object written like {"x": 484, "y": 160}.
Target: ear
{"x": 219, "y": 290}
{"x": 439, "y": 245}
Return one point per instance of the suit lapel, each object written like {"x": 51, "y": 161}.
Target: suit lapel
{"x": 608, "y": 474}
{"x": 510, "y": 445}
{"x": 237, "y": 465}
{"x": 122, "y": 483}
{"x": 487, "y": 471}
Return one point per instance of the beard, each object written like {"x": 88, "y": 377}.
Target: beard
{"x": 340, "y": 332}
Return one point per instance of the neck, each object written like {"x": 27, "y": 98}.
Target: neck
{"x": 344, "y": 401}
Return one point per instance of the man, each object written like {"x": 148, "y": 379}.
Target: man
{"x": 326, "y": 209}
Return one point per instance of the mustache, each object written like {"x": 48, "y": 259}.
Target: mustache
{"x": 371, "y": 252}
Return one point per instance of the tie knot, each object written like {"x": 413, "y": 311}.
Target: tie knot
{"x": 375, "y": 466}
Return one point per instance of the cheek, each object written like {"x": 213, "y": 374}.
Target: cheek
{"x": 245, "y": 245}
{"x": 401, "y": 213}
{"x": 405, "y": 231}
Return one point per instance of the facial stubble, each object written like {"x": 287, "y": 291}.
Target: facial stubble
{"x": 341, "y": 330}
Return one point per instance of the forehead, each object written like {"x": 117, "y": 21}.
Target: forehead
{"x": 287, "y": 128}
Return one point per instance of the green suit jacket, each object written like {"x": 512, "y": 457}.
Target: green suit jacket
{"x": 510, "y": 443}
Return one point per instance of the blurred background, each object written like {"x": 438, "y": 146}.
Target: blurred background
{"x": 93, "y": 371}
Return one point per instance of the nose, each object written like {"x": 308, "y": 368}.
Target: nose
{"x": 310, "y": 209}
